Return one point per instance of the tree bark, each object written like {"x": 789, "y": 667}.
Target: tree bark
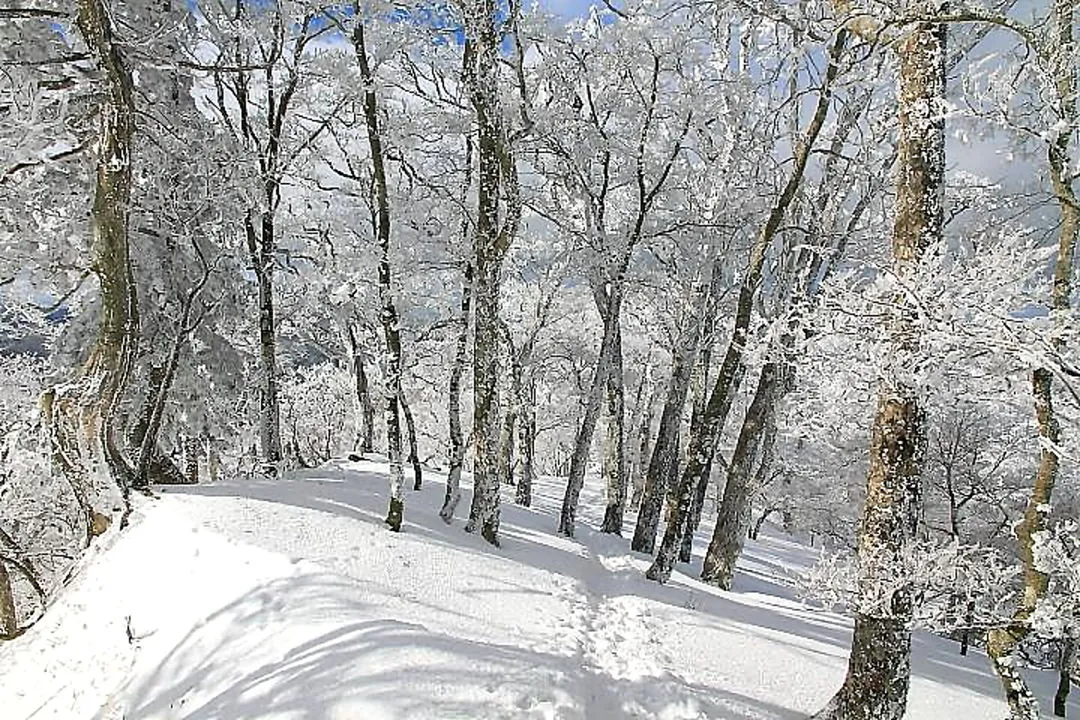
{"x": 879, "y": 667}
{"x": 593, "y": 404}
{"x": 496, "y": 226}
{"x": 1065, "y": 663}
{"x": 663, "y": 462}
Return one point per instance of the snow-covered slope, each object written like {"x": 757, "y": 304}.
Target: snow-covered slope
{"x": 289, "y": 599}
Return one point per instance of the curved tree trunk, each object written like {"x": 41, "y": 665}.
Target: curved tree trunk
{"x": 457, "y": 371}
{"x": 80, "y": 415}
{"x": 1003, "y": 643}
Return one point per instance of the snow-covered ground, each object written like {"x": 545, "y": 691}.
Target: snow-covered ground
{"x": 289, "y": 599}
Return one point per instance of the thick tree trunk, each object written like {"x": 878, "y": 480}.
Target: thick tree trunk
{"x": 1003, "y": 643}
{"x": 497, "y": 218}
{"x": 703, "y": 443}
{"x": 80, "y": 415}
{"x": 457, "y": 371}
{"x": 388, "y": 314}
{"x": 733, "y": 522}
{"x": 191, "y": 459}
{"x": 484, "y": 512}
{"x": 879, "y": 667}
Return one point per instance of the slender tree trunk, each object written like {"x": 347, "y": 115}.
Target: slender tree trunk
{"x": 81, "y": 415}
{"x": 663, "y": 462}
{"x": 733, "y": 521}
{"x": 261, "y": 246}
{"x": 363, "y": 393}
{"x": 1003, "y": 643}
{"x": 614, "y": 463}
{"x": 703, "y": 443}
{"x": 9, "y": 620}
{"x": 1065, "y": 663}
{"x": 527, "y": 444}
{"x": 388, "y": 314}
{"x": 583, "y": 441}
{"x": 414, "y": 455}
{"x": 644, "y": 454}
{"x": 879, "y": 668}
{"x": 457, "y": 371}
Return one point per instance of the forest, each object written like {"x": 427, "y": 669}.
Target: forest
{"x": 658, "y": 270}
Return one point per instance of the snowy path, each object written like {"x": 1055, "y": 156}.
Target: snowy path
{"x": 289, "y": 599}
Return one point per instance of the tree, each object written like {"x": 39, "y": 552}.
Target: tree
{"x": 493, "y": 233}
{"x": 81, "y": 413}
{"x": 878, "y": 673}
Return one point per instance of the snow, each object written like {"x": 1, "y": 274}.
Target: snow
{"x": 289, "y": 599}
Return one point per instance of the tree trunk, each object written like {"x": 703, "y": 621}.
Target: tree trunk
{"x": 414, "y": 456}
{"x": 363, "y": 393}
{"x": 644, "y": 453}
{"x": 261, "y": 247}
{"x": 614, "y": 462}
{"x": 526, "y": 444}
{"x": 388, "y": 313}
{"x": 496, "y": 226}
{"x": 457, "y": 370}
{"x": 80, "y": 415}
{"x": 1003, "y": 643}
{"x": 484, "y": 512}
{"x": 733, "y": 521}
{"x": 879, "y": 668}
{"x": 1065, "y": 663}
{"x": 663, "y": 462}
{"x": 583, "y": 441}
{"x": 9, "y": 620}
{"x": 191, "y": 459}
{"x": 703, "y": 443}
